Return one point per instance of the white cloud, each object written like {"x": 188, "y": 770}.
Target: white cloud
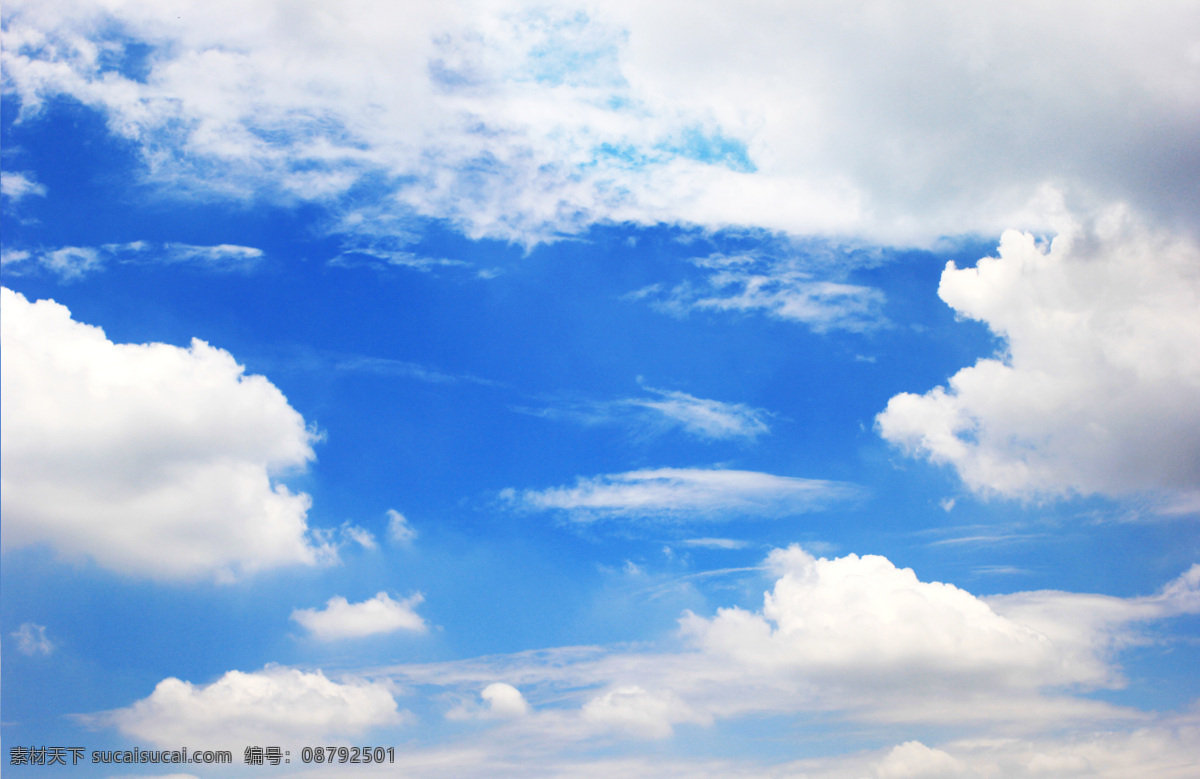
{"x": 68, "y": 263}
{"x": 359, "y": 535}
{"x": 714, "y": 543}
{"x": 269, "y": 706}
{"x": 1166, "y": 748}
{"x": 638, "y": 713}
{"x": 862, "y": 621}
{"x": 779, "y": 288}
{"x": 151, "y": 459}
{"x": 379, "y": 259}
{"x": 341, "y": 619}
{"x": 853, "y": 638}
{"x": 32, "y": 640}
{"x": 914, "y": 760}
{"x": 399, "y": 530}
{"x": 74, "y": 262}
{"x": 16, "y": 186}
{"x": 222, "y": 257}
{"x": 712, "y": 419}
{"x": 525, "y": 121}
{"x": 1087, "y": 630}
{"x": 504, "y": 700}
{"x": 664, "y": 409}
{"x": 683, "y": 494}
{"x": 1099, "y": 388}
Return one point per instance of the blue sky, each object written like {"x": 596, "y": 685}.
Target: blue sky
{"x": 562, "y": 390}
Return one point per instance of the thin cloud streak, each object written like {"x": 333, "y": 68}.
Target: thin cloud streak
{"x": 780, "y": 288}
{"x": 683, "y": 494}
{"x": 71, "y": 263}
{"x": 664, "y": 410}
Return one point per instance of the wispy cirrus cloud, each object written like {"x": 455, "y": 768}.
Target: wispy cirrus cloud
{"x": 74, "y": 262}
{"x": 714, "y": 543}
{"x": 667, "y": 409}
{"x": 386, "y": 366}
{"x": 16, "y": 186}
{"x": 32, "y": 639}
{"x": 788, "y": 289}
{"x": 384, "y": 258}
{"x": 683, "y": 494}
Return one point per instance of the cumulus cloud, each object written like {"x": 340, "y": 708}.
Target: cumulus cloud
{"x": 858, "y": 632}
{"x": 269, "y": 706}
{"x": 639, "y": 713}
{"x": 1098, "y": 389}
{"x": 150, "y": 459}
{"x": 526, "y": 121}
{"x": 16, "y": 186}
{"x": 341, "y": 619}
{"x": 828, "y": 618}
{"x": 32, "y": 640}
{"x": 914, "y": 760}
{"x": 497, "y": 701}
{"x": 73, "y": 262}
{"x": 504, "y": 700}
{"x": 683, "y": 494}
{"x": 856, "y": 638}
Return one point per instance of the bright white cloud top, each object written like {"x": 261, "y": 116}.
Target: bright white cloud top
{"x": 853, "y": 638}
{"x": 151, "y": 459}
{"x": 895, "y": 121}
{"x": 861, "y": 623}
{"x": 683, "y": 494}
{"x": 1098, "y": 390}
{"x": 272, "y": 705}
{"x": 342, "y": 619}
{"x": 504, "y": 700}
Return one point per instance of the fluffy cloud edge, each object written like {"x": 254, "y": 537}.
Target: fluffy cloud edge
{"x": 854, "y": 637}
{"x": 612, "y": 115}
{"x": 341, "y": 619}
{"x": 1096, "y": 391}
{"x": 152, "y": 460}
{"x": 275, "y": 704}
